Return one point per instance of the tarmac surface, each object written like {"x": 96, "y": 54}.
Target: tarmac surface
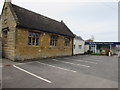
{"x": 81, "y": 71}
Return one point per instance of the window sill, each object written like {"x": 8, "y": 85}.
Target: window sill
{"x": 52, "y": 46}
{"x": 32, "y": 46}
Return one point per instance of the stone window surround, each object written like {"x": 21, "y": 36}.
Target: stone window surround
{"x": 33, "y": 38}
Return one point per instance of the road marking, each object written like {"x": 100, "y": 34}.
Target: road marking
{"x": 89, "y": 59}
{"x": 32, "y": 74}
{"x": 95, "y": 60}
{"x": 24, "y": 63}
{"x": 71, "y": 63}
{"x": 57, "y": 67}
{"x": 82, "y": 60}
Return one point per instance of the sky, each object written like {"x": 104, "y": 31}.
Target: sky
{"x": 85, "y": 18}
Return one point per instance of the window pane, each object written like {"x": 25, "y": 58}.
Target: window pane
{"x": 29, "y": 41}
{"x": 29, "y": 34}
{"x": 50, "y": 42}
{"x": 34, "y": 34}
{"x": 37, "y": 34}
{"x": 37, "y": 41}
{"x": 55, "y": 42}
{"x": 33, "y": 41}
{"x": 80, "y": 46}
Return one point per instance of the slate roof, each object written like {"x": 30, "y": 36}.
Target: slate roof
{"x": 78, "y": 37}
{"x": 32, "y": 20}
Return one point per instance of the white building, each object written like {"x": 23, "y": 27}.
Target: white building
{"x": 78, "y": 45}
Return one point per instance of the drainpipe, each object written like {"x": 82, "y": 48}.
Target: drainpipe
{"x": 72, "y": 46}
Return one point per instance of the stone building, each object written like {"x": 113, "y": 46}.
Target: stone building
{"x": 28, "y": 35}
{"x": 0, "y": 39}
{"x": 0, "y": 26}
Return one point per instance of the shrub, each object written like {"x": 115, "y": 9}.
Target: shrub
{"x": 85, "y": 53}
{"x": 107, "y": 52}
{"x": 89, "y": 52}
{"x": 98, "y": 54}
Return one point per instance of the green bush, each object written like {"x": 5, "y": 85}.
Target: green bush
{"x": 98, "y": 54}
{"x": 89, "y": 52}
{"x": 107, "y": 52}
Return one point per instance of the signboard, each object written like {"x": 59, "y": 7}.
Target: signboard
{"x": 102, "y": 43}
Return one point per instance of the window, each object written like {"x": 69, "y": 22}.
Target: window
{"x": 33, "y": 38}
{"x": 80, "y": 46}
{"x": 5, "y": 36}
{"x": 67, "y": 41}
{"x": 53, "y": 40}
{"x": 74, "y": 46}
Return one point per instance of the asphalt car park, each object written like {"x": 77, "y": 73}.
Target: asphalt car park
{"x": 81, "y": 71}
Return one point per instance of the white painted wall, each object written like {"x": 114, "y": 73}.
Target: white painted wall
{"x": 77, "y": 49}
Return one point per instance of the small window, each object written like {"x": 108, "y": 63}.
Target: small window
{"x": 80, "y": 46}
{"x": 33, "y": 38}
{"x": 67, "y": 41}
{"x": 74, "y": 46}
{"x": 5, "y": 36}
{"x": 53, "y": 40}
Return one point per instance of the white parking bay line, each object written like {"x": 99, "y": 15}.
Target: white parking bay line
{"x": 32, "y": 74}
{"x": 95, "y": 60}
{"x": 71, "y": 63}
{"x": 24, "y": 63}
{"x": 57, "y": 67}
{"x": 88, "y": 59}
{"x": 82, "y": 61}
